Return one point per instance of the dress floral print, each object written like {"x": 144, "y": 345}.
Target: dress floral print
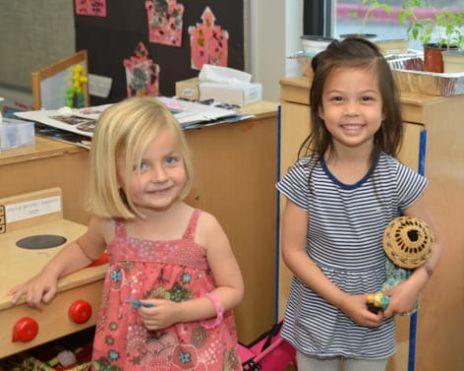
{"x": 173, "y": 270}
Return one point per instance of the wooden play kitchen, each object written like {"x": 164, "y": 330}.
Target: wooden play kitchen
{"x": 32, "y": 230}
{"x": 433, "y": 142}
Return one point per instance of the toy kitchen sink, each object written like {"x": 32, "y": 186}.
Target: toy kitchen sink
{"x": 35, "y": 222}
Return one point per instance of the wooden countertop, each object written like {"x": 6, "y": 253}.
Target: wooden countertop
{"x": 300, "y": 86}
{"x": 42, "y": 148}
{"x": 261, "y": 108}
{"x": 45, "y": 147}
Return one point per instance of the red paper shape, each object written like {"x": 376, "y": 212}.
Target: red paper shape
{"x": 142, "y": 74}
{"x": 165, "y": 22}
{"x": 96, "y": 8}
{"x": 208, "y": 42}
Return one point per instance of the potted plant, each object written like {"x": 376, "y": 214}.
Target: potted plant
{"x": 313, "y": 44}
{"x": 367, "y": 10}
{"x": 453, "y": 61}
{"x": 437, "y": 34}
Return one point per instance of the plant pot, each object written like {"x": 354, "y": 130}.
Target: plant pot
{"x": 368, "y": 36}
{"x": 313, "y": 44}
{"x": 433, "y": 58}
{"x": 453, "y": 61}
{"x": 393, "y": 46}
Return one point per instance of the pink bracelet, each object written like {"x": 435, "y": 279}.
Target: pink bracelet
{"x": 209, "y": 324}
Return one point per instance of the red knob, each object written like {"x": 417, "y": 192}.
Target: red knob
{"x": 80, "y": 311}
{"x": 25, "y": 329}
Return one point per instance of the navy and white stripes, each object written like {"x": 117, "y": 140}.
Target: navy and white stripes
{"x": 345, "y": 229}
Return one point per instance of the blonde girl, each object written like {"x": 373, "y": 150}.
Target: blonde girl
{"x": 172, "y": 279}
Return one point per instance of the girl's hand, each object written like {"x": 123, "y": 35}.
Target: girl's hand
{"x": 162, "y": 314}
{"x": 37, "y": 291}
{"x": 403, "y": 298}
{"x": 355, "y": 307}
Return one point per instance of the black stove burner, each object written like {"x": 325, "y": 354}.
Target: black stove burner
{"x": 41, "y": 241}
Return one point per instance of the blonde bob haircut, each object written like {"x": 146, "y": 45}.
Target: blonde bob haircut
{"x": 124, "y": 131}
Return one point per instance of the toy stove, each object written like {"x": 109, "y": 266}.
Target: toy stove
{"x": 32, "y": 231}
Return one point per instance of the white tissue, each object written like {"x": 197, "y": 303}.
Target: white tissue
{"x": 227, "y": 85}
{"x": 223, "y": 75}
{"x": 65, "y": 111}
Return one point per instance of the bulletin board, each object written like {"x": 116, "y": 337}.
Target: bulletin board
{"x": 114, "y": 31}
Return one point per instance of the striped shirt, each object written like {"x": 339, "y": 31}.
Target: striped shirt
{"x": 345, "y": 230}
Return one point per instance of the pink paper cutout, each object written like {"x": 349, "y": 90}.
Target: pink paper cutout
{"x": 96, "y": 8}
{"x": 165, "y": 22}
{"x": 142, "y": 74}
{"x": 208, "y": 42}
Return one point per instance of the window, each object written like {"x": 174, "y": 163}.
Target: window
{"x": 345, "y": 21}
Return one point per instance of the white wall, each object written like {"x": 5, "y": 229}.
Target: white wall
{"x": 272, "y": 33}
{"x": 34, "y": 33}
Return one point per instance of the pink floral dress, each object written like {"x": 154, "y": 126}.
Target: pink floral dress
{"x": 174, "y": 270}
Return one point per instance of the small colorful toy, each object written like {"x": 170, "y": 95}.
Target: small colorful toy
{"x": 65, "y": 358}
{"x": 377, "y": 302}
{"x": 75, "y": 94}
{"x": 136, "y": 304}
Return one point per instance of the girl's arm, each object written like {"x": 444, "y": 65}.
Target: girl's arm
{"x": 227, "y": 277}
{"x": 294, "y": 234}
{"x": 405, "y": 295}
{"x": 75, "y": 255}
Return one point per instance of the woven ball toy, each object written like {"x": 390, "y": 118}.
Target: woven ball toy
{"x": 407, "y": 241}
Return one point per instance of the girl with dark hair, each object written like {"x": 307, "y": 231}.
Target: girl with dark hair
{"x": 341, "y": 194}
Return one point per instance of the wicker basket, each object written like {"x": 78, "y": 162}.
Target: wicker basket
{"x": 407, "y": 241}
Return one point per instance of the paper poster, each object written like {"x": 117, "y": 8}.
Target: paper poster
{"x": 96, "y": 8}
{"x": 165, "y": 22}
{"x": 142, "y": 74}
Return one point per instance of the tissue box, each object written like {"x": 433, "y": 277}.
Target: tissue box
{"x": 188, "y": 89}
{"x": 223, "y": 75}
{"x": 16, "y": 133}
{"x": 240, "y": 93}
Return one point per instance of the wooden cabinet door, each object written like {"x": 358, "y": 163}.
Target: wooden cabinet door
{"x": 235, "y": 175}
{"x": 295, "y": 124}
{"x": 409, "y": 155}
{"x": 409, "y": 152}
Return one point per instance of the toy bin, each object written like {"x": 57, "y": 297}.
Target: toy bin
{"x": 16, "y": 133}
{"x": 71, "y": 353}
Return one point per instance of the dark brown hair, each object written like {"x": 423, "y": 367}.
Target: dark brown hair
{"x": 358, "y": 53}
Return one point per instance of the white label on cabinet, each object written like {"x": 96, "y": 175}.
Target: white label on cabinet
{"x": 32, "y": 209}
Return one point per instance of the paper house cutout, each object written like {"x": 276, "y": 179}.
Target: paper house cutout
{"x": 208, "y": 42}
{"x": 142, "y": 74}
{"x": 165, "y": 22}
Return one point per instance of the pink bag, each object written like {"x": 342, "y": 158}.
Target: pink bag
{"x": 267, "y": 353}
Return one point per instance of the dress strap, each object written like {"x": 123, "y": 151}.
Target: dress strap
{"x": 189, "y": 233}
